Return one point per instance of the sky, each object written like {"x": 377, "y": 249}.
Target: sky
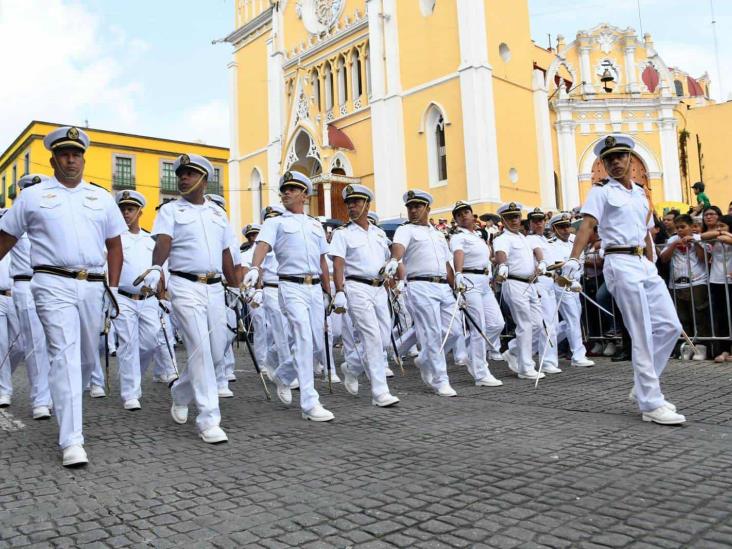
{"x": 148, "y": 67}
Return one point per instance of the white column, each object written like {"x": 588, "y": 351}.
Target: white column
{"x": 568, "y": 160}
{"x": 276, "y": 92}
{"x": 585, "y": 67}
{"x": 387, "y": 116}
{"x": 327, "y": 211}
{"x": 631, "y": 73}
{"x": 544, "y": 141}
{"x": 478, "y": 107}
{"x": 670, "y": 156}
{"x": 236, "y": 197}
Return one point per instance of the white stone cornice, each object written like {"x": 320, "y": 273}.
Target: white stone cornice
{"x": 251, "y": 26}
{"x": 320, "y": 46}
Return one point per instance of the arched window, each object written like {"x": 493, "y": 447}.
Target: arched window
{"x": 315, "y": 85}
{"x": 356, "y": 75}
{"x": 342, "y": 86}
{"x": 367, "y": 55}
{"x": 436, "y": 146}
{"x": 679, "y": 88}
{"x": 255, "y": 187}
{"x": 328, "y": 87}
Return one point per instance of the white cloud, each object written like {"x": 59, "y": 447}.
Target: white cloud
{"x": 207, "y": 123}
{"x": 62, "y": 65}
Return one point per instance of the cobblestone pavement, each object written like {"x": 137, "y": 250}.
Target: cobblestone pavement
{"x": 568, "y": 465}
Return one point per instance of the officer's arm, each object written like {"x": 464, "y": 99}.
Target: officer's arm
{"x": 583, "y": 235}
{"x": 227, "y": 265}
{"x": 261, "y": 249}
{"x": 114, "y": 260}
{"x": 163, "y": 242}
{"x": 7, "y": 241}
{"x": 339, "y": 273}
{"x": 501, "y": 258}
{"x": 324, "y": 274}
{"x": 397, "y": 251}
{"x": 450, "y": 275}
{"x": 459, "y": 259}
{"x": 539, "y": 254}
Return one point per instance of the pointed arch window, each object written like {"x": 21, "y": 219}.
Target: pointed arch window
{"x": 315, "y": 86}
{"x": 342, "y": 84}
{"x": 434, "y": 130}
{"x": 328, "y": 87}
{"x": 357, "y": 84}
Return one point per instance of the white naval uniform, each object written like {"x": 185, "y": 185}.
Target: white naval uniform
{"x": 200, "y": 234}
{"x": 258, "y": 317}
{"x": 10, "y": 334}
{"x": 278, "y": 330}
{"x": 228, "y": 361}
{"x": 34, "y": 348}
{"x": 648, "y": 310}
{"x": 522, "y": 298}
{"x": 432, "y": 304}
{"x": 138, "y": 323}
{"x": 67, "y": 227}
{"x": 570, "y": 306}
{"x": 365, "y": 252}
{"x": 299, "y": 242}
{"x": 479, "y": 298}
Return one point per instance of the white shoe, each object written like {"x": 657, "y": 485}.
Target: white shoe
{"x": 231, "y": 377}
{"x": 385, "y": 400}
{"x": 511, "y": 360}
{"x": 97, "y": 392}
{"x": 318, "y": 413}
{"x": 609, "y": 349}
{"x": 284, "y": 393}
{"x": 132, "y": 405}
{"x": 488, "y": 381}
{"x": 158, "y": 379}
{"x": 318, "y": 370}
{"x": 295, "y": 384}
{"x": 4, "y": 401}
{"x": 549, "y": 369}
{"x": 596, "y": 349}
{"x": 531, "y": 374}
{"x": 461, "y": 361}
{"x": 667, "y": 404}
{"x": 663, "y": 416}
{"x": 446, "y": 391}
{"x": 214, "y": 435}
{"x": 41, "y": 412}
{"x": 179, "y": 414}
{"x": 583, "y": 363}
{"x": 334, "y": 377}
{"x": 494, "y": 355}
{"x": 225, "y": 392}
{"x": 74, "y": 456}
{"x": 413, "y": 352}
{"x": 269, "y": 371}
{"x": 701, "y": 352}
{"x": 350, "y": 381}
{"x": 389, "y": 372}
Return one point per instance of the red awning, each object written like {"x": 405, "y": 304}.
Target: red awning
{"x": 338, "y": 139}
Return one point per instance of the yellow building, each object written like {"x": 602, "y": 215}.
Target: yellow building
{"x": 115, "y": 161}
{"x": 452, "y": 97}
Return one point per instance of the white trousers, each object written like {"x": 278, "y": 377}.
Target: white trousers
{"x": 526, "y": 311}
{"x": 432, "y": 308}
{"x": 278, "y": 341}
{"x": 302, "y": 305}
{"x": 650, "y": 318}
{"x": 484, "y": 310}
{"x": 225, "y": 365}
{"x": 137, "y": 327}
{"x": 570, "y": 308}
{"x": 365, "y": 305}
{"x": 12, "y": 345}
{"x": 201, "y": 316}
{"x": 71, "y": 314}
{"x": 164, "y": 364}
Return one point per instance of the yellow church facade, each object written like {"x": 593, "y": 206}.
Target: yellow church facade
{"x": 114, "y": 160}
{"x": 453, "y": 98}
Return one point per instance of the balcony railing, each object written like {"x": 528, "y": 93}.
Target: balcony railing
{"x": 123, "y": 181}
{"x": 169, "y": 184}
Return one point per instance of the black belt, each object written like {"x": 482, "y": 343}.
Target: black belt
{"x": 6, "y": 293}
{"x": 135, "y": 297}
{"x": 486, "y": 271}
{"x": 270, "y": 284}
{"x": 309, "y": 280}
{"x": 83, "y": 274}
{"x": 368, "y": 281}
{"x": 626, "y": 250}
{"x": 682, "y": 280}
{"x": 22, "y": 278}
{"x": 522, "y": 279}
{"x": 207, "y": 278}
{"x": 434, "y": 279}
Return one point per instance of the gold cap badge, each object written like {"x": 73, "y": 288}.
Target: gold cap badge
{"x": 36, "y": 179}
{"x": 73, "y": 133}
{"x": 349, "y": 189}
{"x": 610, "y": 141}
{"x": 512, "y": 206}
{"x": 410, "y": 194}
{"x": 126, "y": 194}
{"x": 185, "y": 159}
{"x": 288, "y": 176}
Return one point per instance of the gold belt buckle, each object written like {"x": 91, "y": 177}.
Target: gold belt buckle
{"x": 307, "y": 279}
{"x": 375, "y": 282}
{"x": 82, "y": 275}
{"x": 434, "y": 279}
{"x": 210, "y": 276}
{"x": 202, "y": 278}
{"x": 638, "y": 251}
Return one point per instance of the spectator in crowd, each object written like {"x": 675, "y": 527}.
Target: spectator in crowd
{"x": 688, "y": 280}
{"x": 702, "y": 200}
{"x": 668, "y": 223}
{"x": 720, "y": 277}
{"x": 432, "y": 221}
{"x": 710, "y": 217}
{"x": 442, "y": 225}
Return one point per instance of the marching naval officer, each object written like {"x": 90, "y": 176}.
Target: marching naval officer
{"x": 300, "y": 248}
{"x": 472, "y": 263}
{"x": 138, "y": 322}
{"x": 194, "y": 236}
{"x": 359, "y": 249}
{"x": 517, "y": 270}
{"x": 427, "y": 261}
{"x": 257, "y": 312}
{"x": 69, "y": 224}
{"x": 622, "y": 212}
{"x": 36, "y": 357}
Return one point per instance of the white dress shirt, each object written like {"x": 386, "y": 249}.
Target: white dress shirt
{"x": 137, "y": 250}
{"x": 364, "y": 251}
{"x": 540, "y": 241}
{"x": 20, "y": 257}
{"x": 6, "y": 283}
{"x": 519, "y": 251}
{"x": 67, "y": 227}
{"x": 686, "y": 264}
{"x": 426, "y": 251}
{"x": 200, "y": 234}
{"x": 298, "y": 242}
{"x": 476, "y": 250}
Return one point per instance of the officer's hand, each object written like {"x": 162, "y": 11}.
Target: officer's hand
{"x": 151, "y": 280}
{"x": 461, "y": 300}
{"x": 571, "y": 269}
{"x": 399, "y": 288}
{"x": 541, "y": 267}
{"x": 340, "y": 303}
{"x": 391, "y": 267}
{"x": 251, "y": 278}
{"x": 327, "y": 300}
{"x": 256, "y": 300}
{"x": 460, "y": 282}
{"x": 575, "y": 286}
{"x": 502, "y": 273}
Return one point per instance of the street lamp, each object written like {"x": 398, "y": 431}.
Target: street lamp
{"x": 570, "y": 90}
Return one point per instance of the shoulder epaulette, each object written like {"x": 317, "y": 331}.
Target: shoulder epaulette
{"x": 244, "y": 247}
{"x": 343, "y": 226}
{"x": 552, "y": 239}
{"x": 98, "y": 186}
{"x": 164, "y": 203}
{"x": 602, "y": 182}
